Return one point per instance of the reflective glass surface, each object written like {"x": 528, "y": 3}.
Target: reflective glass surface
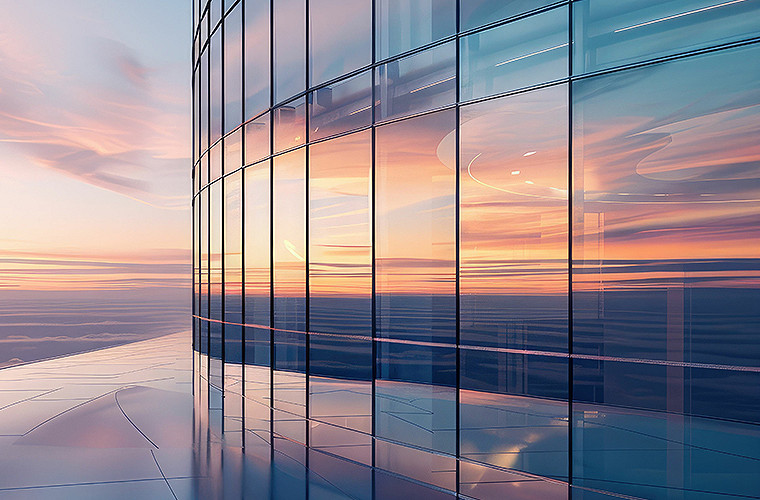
{"x": 289, "y": 125}
{"x": 233, "y": 69}
{"x": 467, "y": 272}
{"x": 475, "y": 13}
{"x": 340, "y": 37}
{"x": 415, "y": 280}
{"x": 216, "y": 106}
{"x": 203, "y": 105}
{"x": 665, "y": 245}
{"x": 233, "y": 151}
{"x": 289, "y": 48}
{"x": 514, "y": 221}
{"x": 340, "y": 296}
{"x": 406, "y": 24}
{"x": 416, "y": 83}
{"x": 341, "y": 107}
{"x": 216, "y": 340}
{"x": 257, "y": 144}
{"x": 519, "y": 54}
{"x": 257, "y": 58}
{"x": 610, "y": 33}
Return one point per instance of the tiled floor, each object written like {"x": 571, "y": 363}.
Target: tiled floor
{"x": 114, "y": 423}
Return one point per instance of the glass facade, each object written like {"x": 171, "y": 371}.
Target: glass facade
{"x": 493, "y": 249}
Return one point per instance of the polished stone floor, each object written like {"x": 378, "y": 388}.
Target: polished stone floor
{"x": 134, "y": 421}
{"x": 113, "y": 423}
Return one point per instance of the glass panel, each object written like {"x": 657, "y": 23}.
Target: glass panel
{"x": 290, "y": 251}
{"x": 415, "y": 279}
{"x": 257, "y": 55}
{"x": 196, "y": 115}
{"x": 514, "y": 221}
{"x": 341, "y": 107}
{"x": 415, "y": 396}
{"x": 290, "y": 294}
{"x": 216, "y": 85}
{"x": 204, "y": 108}
{"x": 610, "y": 33}
{"x": 514, "y": 411}
{"x": 233, "y": 267}
{"x": 257, "y": 139}
{"x": 233, "y": 153}
{"x": 215, "y": 157}
{"x": 666, "y": 210}
{"x": 257, "y": 298}
{"x": 407, "y": 24}
{"x": 215, "y": 284}
{"x": 340, "y": 293}
{"x": 289, "y": 48}
{"x": 417, "y": 83}
{"x": 415, "y": 230}
{"x": 204, "y": 168}
{"x": 290, "y": 125}
{"x": 233, "y": 69}
{"x": 476, "y": 13}
{"x": 519, "y": 54}
{"x": 341, "y": 37}
{"x": 215, "y": 11}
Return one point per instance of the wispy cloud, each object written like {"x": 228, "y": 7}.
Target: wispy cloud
{"x": 95, "y": 111}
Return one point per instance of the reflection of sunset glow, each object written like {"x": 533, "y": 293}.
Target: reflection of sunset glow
{"x": 340, "y": 234}
{"x": 415, "y": 206}
{"x": 514, "y": 230}
{"x": 678, "y": 184}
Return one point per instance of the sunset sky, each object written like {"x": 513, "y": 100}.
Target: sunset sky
{"x": 94, "y": 151}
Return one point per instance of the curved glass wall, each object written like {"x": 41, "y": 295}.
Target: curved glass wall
{"x": 495, "y": 249}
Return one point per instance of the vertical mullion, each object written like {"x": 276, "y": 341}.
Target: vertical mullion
{"x": 457, "y": 238}
{"x": 373, "y": 224}
{"x": 242, "y": 219}
{"x": 271, "y": 230}
{"x": 222, "y": 229}
{"x": 570, "y": 374}
{"x": 307, "y": 239}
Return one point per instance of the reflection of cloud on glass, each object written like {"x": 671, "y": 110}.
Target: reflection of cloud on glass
{"x": 290, "y": 247}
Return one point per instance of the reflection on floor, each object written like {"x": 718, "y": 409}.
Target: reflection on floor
{"x": 135, "y": 421}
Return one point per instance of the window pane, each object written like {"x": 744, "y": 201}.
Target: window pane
{"x": 233, "y": 267}
{"x": 526, "y": 52}
{"x": 340, "y": 293}
{"x": 475, "y": 13}
{"x": 290, "y": 294}
{"x": 341, "y": 107}
{"x": 233, "y": 69}
{"x": 257, "y": 294}
{"x": 407, "y": 24}
{"x": 417, "y": 83}
{"x": 257, "y": 57}
{"x": 257, "y": 139}
{"x": 289, "y": 48}
{"x": 514, "y": 221}
{"x": 666, "y": 239}
{"x": 215, "y": 283}
{"x": 610, "y": 33}
{"x": 290, "y": 125}
{"x": 215, "y": 158}
{"x": 233, "y": 154}
{"x": 204, "y": 108}
{"x": 216, "y": 85}
{"x": 341, "y": 37}
{"x": 415, "y": 228}
{"x": 289, "y": 257}
{"x": 203, "y": 266}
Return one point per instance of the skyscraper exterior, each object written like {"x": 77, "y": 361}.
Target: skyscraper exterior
{"x": 487, "y": 248}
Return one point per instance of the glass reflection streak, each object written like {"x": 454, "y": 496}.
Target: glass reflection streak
{"x": 487, "y": 248}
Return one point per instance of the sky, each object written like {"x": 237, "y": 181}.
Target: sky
{"x": 95, "y": 138}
